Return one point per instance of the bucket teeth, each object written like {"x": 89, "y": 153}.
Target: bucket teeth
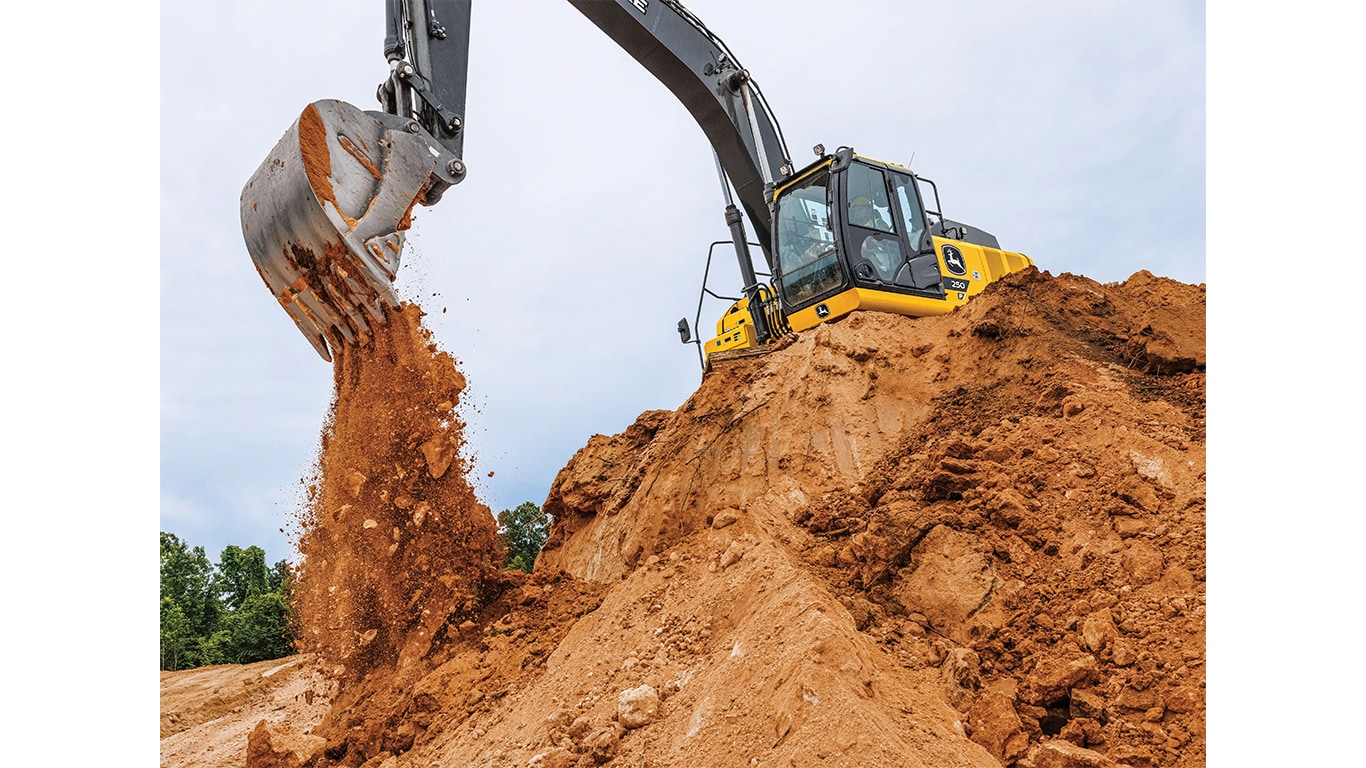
{"x": 323, "y": 219}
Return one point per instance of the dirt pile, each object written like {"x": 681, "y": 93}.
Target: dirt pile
{"x": 1010, "y": 497}
{"x": 971, "y": 540}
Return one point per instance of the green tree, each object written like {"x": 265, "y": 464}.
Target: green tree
{"x": 523, "y": 532}
{"x": 210, "y": 649}
{"x": 242, "y": 573}
{"x": 279, "y": 578}
{"x": 259, "y": 630}
{"x": 262, "y": 627}
{"x": 176, "y": 639}
{"x": 187, "y": 578}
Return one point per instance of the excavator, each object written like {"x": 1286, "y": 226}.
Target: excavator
{"x": 325, "y": 215}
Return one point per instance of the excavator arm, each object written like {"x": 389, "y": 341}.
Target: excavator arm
{"x": 427, "y": 45}
{"x": 324, "y": 215}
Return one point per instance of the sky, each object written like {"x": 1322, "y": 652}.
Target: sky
{"x": 557, "y": 272}
{"x": 1098, "y": 137}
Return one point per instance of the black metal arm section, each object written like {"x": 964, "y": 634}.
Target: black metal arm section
{"x": 427, "y": 45}
{"x": 775, "y": 321}
{"x": 698, "y": 68}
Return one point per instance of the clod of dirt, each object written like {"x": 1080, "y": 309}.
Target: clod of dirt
{"x": 270, "y": 748}
{"x": 994, "y": 724}
{"x": 637, "y": 707}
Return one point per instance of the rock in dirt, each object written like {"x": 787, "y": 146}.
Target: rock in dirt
{"x": 1063, "y": 754}
{"x": 732, "y": 555}
{"x": 271, "y": 748}
{"x": 724, "y": 518}
{"x": 1098, "y": 630}
{"x": 1143, "y": 562}
{"x": 1087, "y": 704}
{"x": 602, "y": 745}
{"x": 952, "y": 575}
{"x": 637, "y": 707}
{"x": 439, "y": 453}
{"x": 1053, "y": 679}
{"x": 995, "y": 725}
{"x": 558, "y": 757}
{"x": 961, "y": 675}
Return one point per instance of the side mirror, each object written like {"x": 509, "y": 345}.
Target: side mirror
{"x": 684, "y": 334}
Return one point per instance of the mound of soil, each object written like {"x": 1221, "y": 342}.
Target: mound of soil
{"x": 969, "y": 540}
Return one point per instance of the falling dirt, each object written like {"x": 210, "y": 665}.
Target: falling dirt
{"x": 395, "y": 546}
{"x": 968, "y": 540}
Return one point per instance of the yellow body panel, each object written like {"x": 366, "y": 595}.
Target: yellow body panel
{"x": 735, "y": 330}
{"x": 982, "y": 265}
{"x": 847, "y": 301}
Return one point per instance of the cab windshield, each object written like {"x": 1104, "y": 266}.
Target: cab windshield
{"x": 808, "y": 265}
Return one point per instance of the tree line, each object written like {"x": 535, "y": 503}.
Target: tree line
{"x": 237, "y": 611}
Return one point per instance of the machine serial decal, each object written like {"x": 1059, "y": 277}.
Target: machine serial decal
{"x": 954, "y": 284}
{"x": 953, "y": 259}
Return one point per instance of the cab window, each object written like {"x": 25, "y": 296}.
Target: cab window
{"x": 868, "y": 206}
{"x": 908, "y": 208}
{"x": 875, "y": 250}
{"x": 807, "y": 262}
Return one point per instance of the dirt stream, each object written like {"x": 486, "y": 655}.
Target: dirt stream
{"x": 968, "y": 540}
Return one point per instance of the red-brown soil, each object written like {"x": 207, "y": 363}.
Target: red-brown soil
{"x": 395, "y": 545}
{"x": 969, "y": 540}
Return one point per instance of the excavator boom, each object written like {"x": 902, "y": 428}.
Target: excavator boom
{"x": 324, "y": 216}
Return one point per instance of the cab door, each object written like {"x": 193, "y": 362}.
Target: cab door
{"x": 885, "y": 235}
{"x": 808, "y": 258}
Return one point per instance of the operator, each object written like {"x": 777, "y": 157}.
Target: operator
{"x": 800, "y": 250}
{"x": 881, "y": 253}
{"x": 818, "y": 245}
{"x": 861, "y": 212}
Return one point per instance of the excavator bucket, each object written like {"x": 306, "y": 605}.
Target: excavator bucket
{"x": 324, "y": 218}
